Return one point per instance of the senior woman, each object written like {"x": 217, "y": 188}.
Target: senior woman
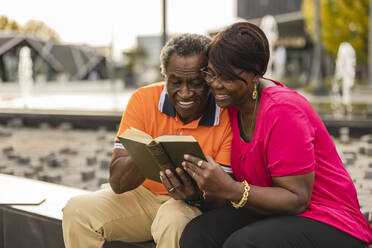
{"x": 291, "y": 188}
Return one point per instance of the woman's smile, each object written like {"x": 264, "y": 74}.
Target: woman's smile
{"x": 221, "y": 96}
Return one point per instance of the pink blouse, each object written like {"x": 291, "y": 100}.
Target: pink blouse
{"x": 290, "y": 139}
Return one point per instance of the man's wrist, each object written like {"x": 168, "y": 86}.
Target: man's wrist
{"x": 198, "y": 202}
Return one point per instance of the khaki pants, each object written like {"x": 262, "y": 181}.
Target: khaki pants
{"x": 134, "y": 216}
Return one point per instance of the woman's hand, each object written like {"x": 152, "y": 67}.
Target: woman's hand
{"x": 180, "y": 187}
{"x": 209, "y": 176}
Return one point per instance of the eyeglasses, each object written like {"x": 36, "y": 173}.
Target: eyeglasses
{"x": 210, "y": 76}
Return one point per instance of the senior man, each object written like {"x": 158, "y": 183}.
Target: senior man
{"x": 136, "y": 209}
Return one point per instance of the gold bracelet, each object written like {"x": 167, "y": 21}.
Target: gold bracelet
{"x": 244, "y": 199}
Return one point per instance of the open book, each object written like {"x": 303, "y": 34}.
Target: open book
{"x": 153, "y": 155}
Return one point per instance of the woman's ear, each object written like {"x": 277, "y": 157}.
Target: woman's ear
{"x": 253, "y": 77}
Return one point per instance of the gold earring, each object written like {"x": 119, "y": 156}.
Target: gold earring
{"x": 254, "y": 93}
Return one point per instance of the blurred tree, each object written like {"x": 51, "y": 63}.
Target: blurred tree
{"x": 342, "y": 20}
{"x": 134, "y": 56}
{"x": 6, "y": 24}
{"x": 134, "y": 63}
{"x": 40, "y": 30}
{"x": 36, "y": 28}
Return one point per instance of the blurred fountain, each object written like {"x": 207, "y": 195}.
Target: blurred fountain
{"x": 270, "y": 28}
{"x": 25, "y": 75}
{"x": 279, "y": 61}
{"x": 345, "y": 72}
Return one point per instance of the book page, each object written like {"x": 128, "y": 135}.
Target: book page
{"x": 137, "y": 135}
{"x": 175, "y": 138}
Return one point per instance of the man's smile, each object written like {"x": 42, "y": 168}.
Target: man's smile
{"x": 185, "y": 104}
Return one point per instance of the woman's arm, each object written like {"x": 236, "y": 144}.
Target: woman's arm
{"x": 290, "y": 195}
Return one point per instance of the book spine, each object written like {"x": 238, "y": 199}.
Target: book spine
{"x": 160, "y": 157}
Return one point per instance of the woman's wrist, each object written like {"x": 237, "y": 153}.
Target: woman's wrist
{"x": 236, "y": 192}
{"x": 244, "y": 198}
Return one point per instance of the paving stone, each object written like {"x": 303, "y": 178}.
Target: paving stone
{"x": 368, "y": 175}
{"x": 47, "y": 157}
{"x": 369, "y": 151}
{"x": 87, "y": 175}
{"x": 50, "y": 177}
{"x": 23, "y": 160}
{"x": 8, "y": 149}
{"x": 91, "y": 160}
{"x": 68, "y": 151}
{"x": 348, "y": 161}
{"x": 12, "y": 156}
{"x": 105, "y": 164}
{"x": 30, "y": 172}
{"x": 43, "y": 176}
{"x": 37, "y": 167}
{"x": 350, "y": 154}
{"x": 54, "y": 162}
{"x": 8, "y": 171}
{"x": 4, "y": 165}
{"x": 362, "y": 150}
{"x": 5, "y": 134}
{"x": 54, "y": 177}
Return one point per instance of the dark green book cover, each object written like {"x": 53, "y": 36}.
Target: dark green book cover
{"x": 154, "y": 155}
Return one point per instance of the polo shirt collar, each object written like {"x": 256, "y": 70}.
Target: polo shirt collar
{"x": 210, "y": 117}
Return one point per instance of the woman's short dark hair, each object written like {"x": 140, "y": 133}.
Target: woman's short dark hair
{"x": 242, "y": 45}
{"x": 183, "y": 45}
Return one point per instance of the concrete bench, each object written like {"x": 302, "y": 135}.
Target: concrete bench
{"x": 31, "y": 214}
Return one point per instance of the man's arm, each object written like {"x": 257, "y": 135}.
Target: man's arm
{"x": 124, "y": 175}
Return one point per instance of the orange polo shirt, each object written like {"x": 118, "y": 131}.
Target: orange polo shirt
{"x": 149, "y": 110}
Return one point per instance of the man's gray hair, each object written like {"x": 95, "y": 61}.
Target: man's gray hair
{"x": 183, "y": 45}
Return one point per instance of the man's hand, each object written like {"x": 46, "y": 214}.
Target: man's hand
{"x": 124, "y": 175}
{"x": 180, "y": 187}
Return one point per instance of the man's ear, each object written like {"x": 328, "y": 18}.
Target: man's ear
{"x": 162, "y": 73}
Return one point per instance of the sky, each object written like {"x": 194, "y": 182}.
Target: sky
{"x": 97, "y": 22}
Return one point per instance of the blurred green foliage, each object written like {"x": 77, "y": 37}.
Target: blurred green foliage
{"x": 341, "y": 20}
{"x": 134, "y": 56}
